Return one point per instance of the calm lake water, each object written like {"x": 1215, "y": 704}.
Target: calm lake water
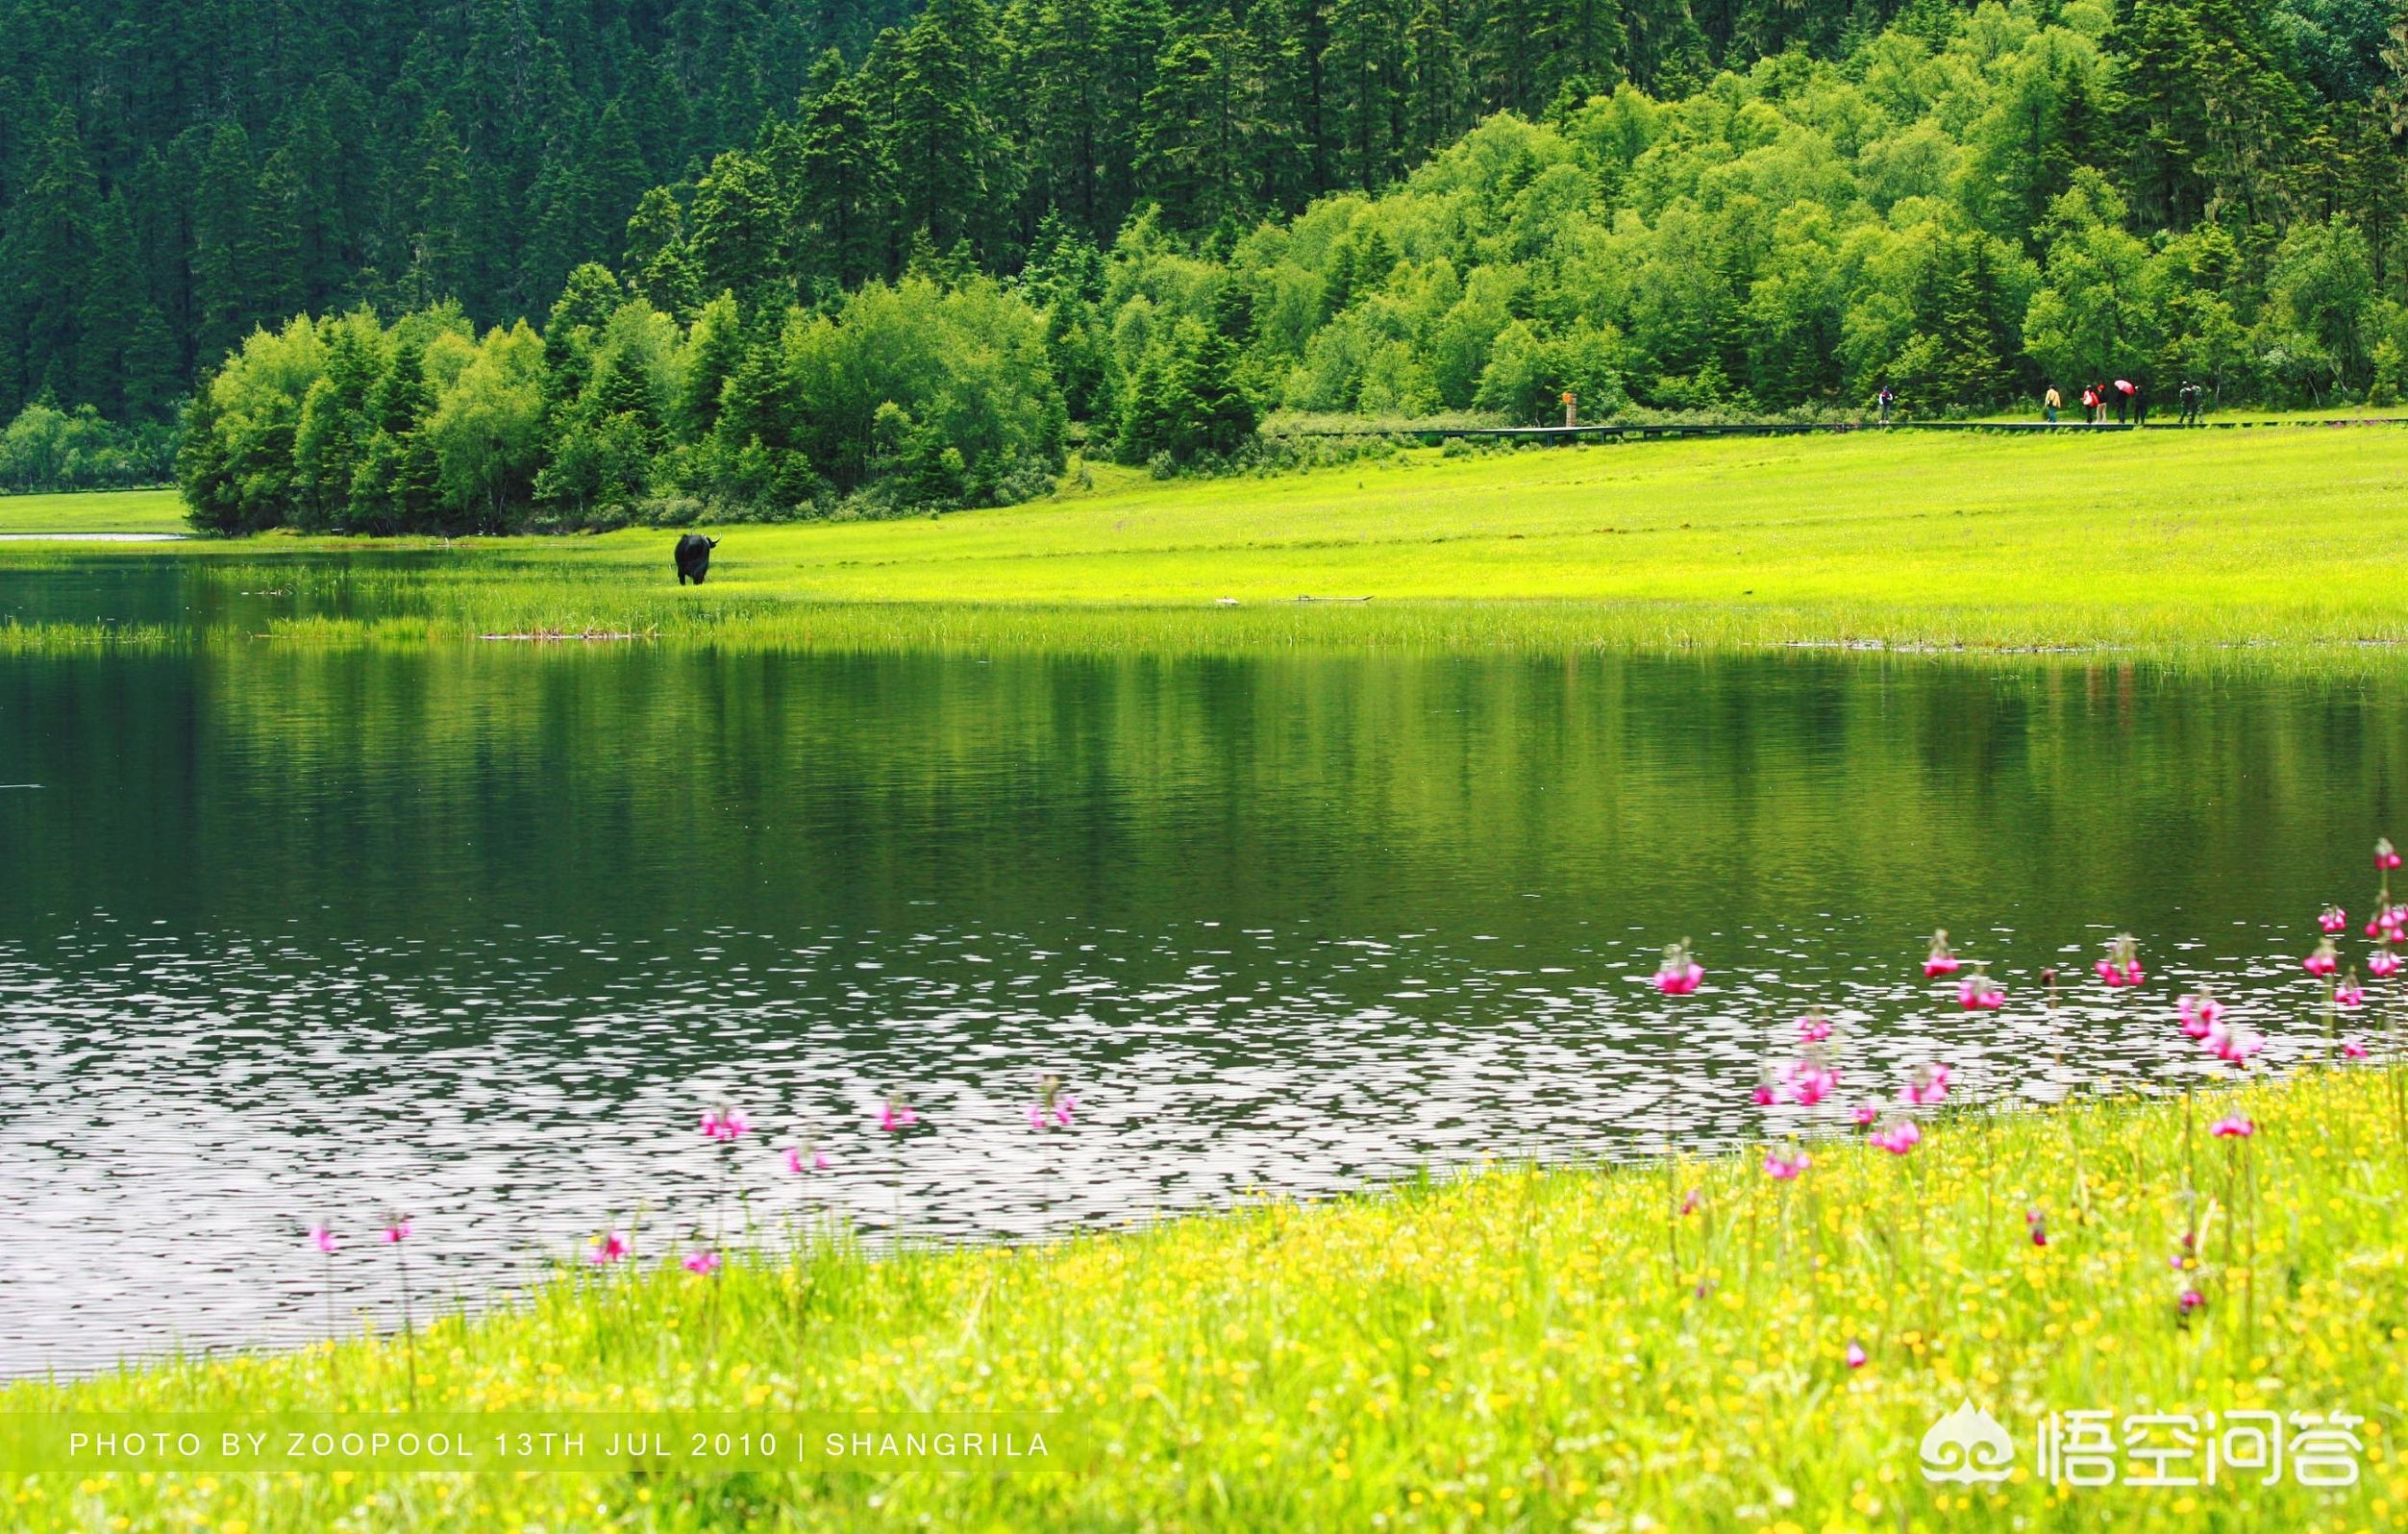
{"x": 476, "y": 932}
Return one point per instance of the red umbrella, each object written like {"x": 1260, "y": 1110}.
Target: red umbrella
{"x": 2126, "y": 385}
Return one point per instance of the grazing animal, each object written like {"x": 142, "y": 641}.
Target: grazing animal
{"x": 694, "y": 557}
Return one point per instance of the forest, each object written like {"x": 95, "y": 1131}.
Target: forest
{"x": 565, "y": 265}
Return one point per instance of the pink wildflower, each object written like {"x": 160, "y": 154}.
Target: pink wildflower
{"x": 1929, "y": 1084}
{"x": 396, "y": 1230}
{"x": 1053, "y": 1106}
{"x": 1786, "y": 1168}
{"x": 1680, "y": 972}
{"x": 2349, "y": 993}
{"x": 1942, "y": 959}
{"x": 2382, "y": 963}
{"x": 2323, "y": 961}
{"x": 1978, "y": 992}
{"x": 701, "y": 1261}
{"x": 724, "y": 1123}
{"x": 801, "y": 1159}
{"x": 607, "y": 1247}
{"x": 1857, "y": 1357}
{"x": 2386, "y": 855}
{"x": 896, "y": 1115}
{"x": 1864, "y": 1113}
{"x": 1900, "y": 1137}
{"x": 322, "y": 1237}
{"x": 2354, "y": 1049}
{"x": 2233, "y": 1127}
{"x": 2333, "y": 919}
{"x": 1813, "y": 1028}
{"x": 2191, "y": 1299}
{"x": 2235, "y": 1045}
{"x": 2122, "y": 966}
{"x": 2200, "y": 1013}
{"x": 1809, "y": 1082}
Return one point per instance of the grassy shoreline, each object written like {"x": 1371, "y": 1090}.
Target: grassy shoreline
{"x": 1659, "y": 1346}
{"x": 2180, "y": 544}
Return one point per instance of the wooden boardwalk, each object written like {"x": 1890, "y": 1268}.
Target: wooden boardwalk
{"x": 1637, "y": 431}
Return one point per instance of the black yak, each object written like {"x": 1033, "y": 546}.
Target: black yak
{"x": 693, "y": 557}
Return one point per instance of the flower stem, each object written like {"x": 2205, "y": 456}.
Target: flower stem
{"x": 410, "y": 1333}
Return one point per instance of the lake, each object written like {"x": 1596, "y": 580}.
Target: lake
{"x": 476, "y": 932}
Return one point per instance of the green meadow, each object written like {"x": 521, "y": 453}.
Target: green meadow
{"x": 2293, "y": 535}
{"x": 1678, "y": 1346}
{"x": 93, "y": 512}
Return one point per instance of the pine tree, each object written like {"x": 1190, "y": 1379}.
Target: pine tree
{"x": 1366, "y": 68}
{"x": 841, "y": 185}
{"x": 335, "y": 431}
{"x": 277, "y": 287}
{"x": 224, "y": 251}
{"x": 1069, "y": 112}
{"x": 1437, "y": 84}
{"x": 1129, "y": 37}
{"x": 50, "y": 248}
{"x": 567, "y": 222}
{"x": 946, "y": 143}
{"x": 587, "y": 302}
{"x": 657, "y": 263}
{"x": 310, "y": 172}
{"x": 615, "y": 164}
{"x": 1212, "y": 413}
{"x": 395, "y": 488}
{"x": 441, "y": 254}
{"x": 2202, "y": 110}
{"x": 116, "y": 369}
{"x": 1202, "y": 119}
{"x": 715, "y": 352}
{"x": 739, "y": 224}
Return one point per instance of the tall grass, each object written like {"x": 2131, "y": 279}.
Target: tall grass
{"x": 1660, "y": 1345}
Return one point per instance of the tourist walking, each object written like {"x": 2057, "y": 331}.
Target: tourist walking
{"x": 2048, "y": 404}
{"x": 2122, "y": 398}
{"x": 2090, "y": 404}
{"x": 1885, "y": 398}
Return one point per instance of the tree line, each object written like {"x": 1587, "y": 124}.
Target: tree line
{"x": 1964, "y": 207}
{"x": 172, "y": 175}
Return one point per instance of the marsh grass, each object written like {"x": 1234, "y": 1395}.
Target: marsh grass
{"x": 1528, "y": 1346}
{"x": 54, "y": 638}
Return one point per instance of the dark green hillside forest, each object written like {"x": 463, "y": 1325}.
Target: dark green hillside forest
{"x": 575, "y": 263}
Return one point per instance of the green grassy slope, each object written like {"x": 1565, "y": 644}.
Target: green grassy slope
{"x": 2284, "y": 535}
